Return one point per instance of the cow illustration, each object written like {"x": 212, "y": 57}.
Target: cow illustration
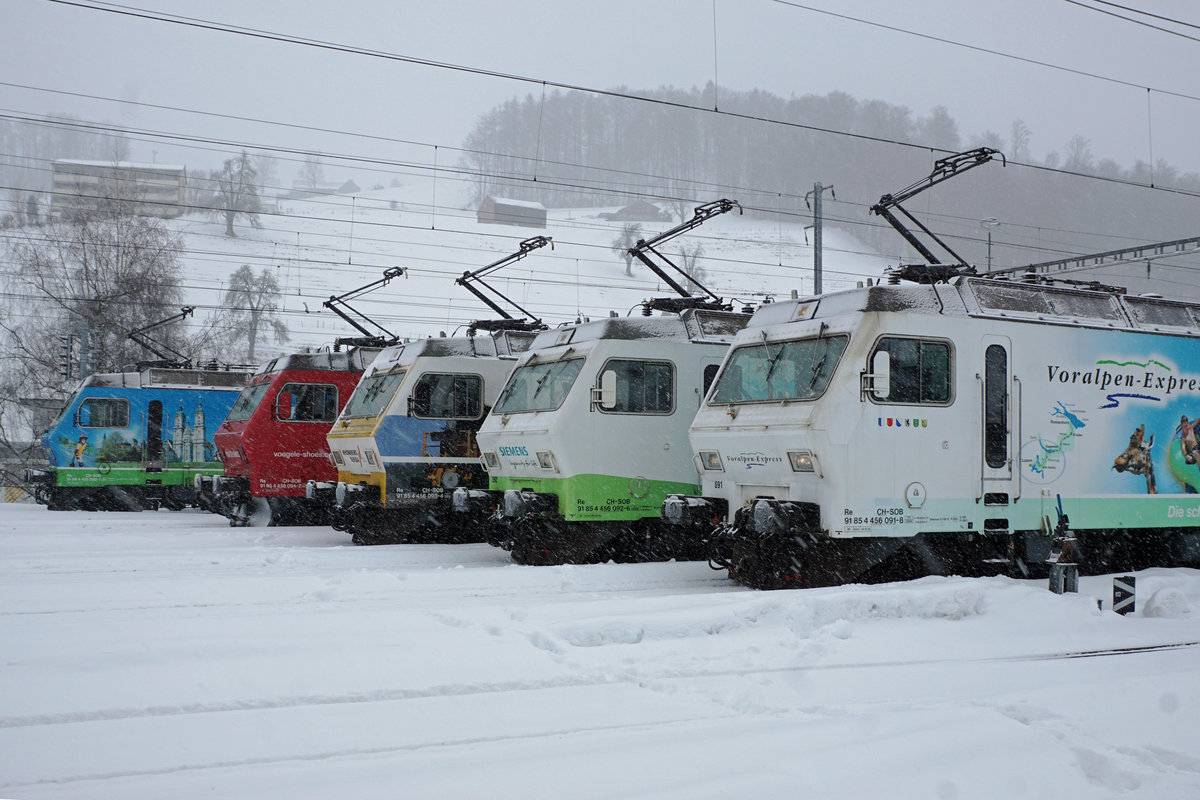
{"x": 1137, "y": 459}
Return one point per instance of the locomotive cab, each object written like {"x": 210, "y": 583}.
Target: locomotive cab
{"x": 405, "y": 442}
{"x": 274, "y": 439}
{"x": 589, "y": 436}
{"x": 908, "y": 429}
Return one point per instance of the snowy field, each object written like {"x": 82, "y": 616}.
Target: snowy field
{"x": 330, "y": 245}
{"x": 160, "y": 655}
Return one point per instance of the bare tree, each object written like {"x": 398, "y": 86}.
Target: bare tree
{"x": 311, "y": 173}
{"x": 1018, "y": 141}
{"x": 83, "y": 282}
{"x": 252, "y": 308}
{"x": 1079, "y": 154}
{"x": 237, "y": 192}
{"x": 631, "y": 233}
{"x": 267, "y": 168}
{"x": 689, "y": 257}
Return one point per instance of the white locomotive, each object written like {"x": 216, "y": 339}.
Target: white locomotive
{"x": 952, "y": 419}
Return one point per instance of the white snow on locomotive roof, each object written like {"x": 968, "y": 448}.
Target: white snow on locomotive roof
{"x": 357, "y": 358}
{"x": 1004, "y": 299}
{"x": 501, "y": 344}
{"x": 692, "y": 325}
{"x": 170, "y": 377}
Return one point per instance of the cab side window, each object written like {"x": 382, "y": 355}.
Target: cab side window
{"x": 307, "y": 402}
{"x": 643, "y": 387}
{"x": 447, "y": 396}
{"x": 921, "y": 370}
{"x": 103, "y": 412}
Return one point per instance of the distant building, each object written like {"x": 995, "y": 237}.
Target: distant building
{"x": 638, "y": 211}
{"x": 502, "y": 211}
{"x": 157, "y": 190}
{"x": 302, "y": 190}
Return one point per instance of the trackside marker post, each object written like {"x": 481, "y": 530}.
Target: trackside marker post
{"x": 1123, "y": 594}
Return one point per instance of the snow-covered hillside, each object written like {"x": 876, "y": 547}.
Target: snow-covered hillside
{"x": 165, "y": 654}
{"x": 329, "y": 245}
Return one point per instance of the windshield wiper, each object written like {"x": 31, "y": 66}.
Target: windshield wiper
{"x": 771, "y": 360}
{"x": 541, "y": 382}
{"x": 816, "y": 369}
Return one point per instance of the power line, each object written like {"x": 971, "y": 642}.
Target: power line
{"x": 978, "y": 49}
{"x": 1131, "y": 19}
{"x": 1148, "y": 14}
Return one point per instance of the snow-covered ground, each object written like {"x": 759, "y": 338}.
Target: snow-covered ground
{"x": 165, "y": 654}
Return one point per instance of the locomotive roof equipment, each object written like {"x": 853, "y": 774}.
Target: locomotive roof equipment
{"x": 473, "y": 282}
{"x": 336, "y": 303}
{"x": 702, "y": 214}
{"x": 943, "y": 169}
{"x": 168, "y": 356}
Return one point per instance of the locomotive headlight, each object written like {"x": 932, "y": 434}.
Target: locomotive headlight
{"x": 546, "y": 460}
{"x": 711, "y": 460}
{"x": 802, "y": 460}
{"x": 493, "y": 460}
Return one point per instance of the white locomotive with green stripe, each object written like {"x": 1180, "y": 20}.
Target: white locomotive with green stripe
{"x": 589, "y": 436}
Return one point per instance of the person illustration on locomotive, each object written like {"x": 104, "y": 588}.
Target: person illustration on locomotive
{"x": 1189, "y": 439}
{"x": 80, "y": 449}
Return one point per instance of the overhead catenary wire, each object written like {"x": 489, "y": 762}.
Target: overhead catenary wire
{"x": 1143, "y": 23}
{"x": 1148, "y": 14}
{"x": 977, "y": 48}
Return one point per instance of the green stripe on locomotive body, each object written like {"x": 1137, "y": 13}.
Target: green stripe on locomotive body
{"x": 131, "y": 476}
{"x": 600, "y": 498}
{"x": 893, "y": 516}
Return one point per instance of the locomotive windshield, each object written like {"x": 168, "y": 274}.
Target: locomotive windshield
{"x": 538, "y": 387}
{"x": 373, "y": 394}
{"x": 247, "y": 401}
{"x": 775, "y": 371}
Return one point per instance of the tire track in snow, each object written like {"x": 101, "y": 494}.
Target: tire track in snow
{"x": 373, "y": 751}
{"x": 565, "y": 682}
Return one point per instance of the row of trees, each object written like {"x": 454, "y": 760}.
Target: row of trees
{"x": 578, "y": 149}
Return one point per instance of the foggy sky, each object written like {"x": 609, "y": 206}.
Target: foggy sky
{"x": 640, "y": 45}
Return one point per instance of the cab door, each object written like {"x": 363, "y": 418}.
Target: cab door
{"x": 999, "y": 412}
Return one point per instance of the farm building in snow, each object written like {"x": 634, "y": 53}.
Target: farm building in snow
{"x": 638, "y": 211}
{"x": 501, "y": 211}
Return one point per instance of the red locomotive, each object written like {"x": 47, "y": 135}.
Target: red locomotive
{"x": 273, "y": 440}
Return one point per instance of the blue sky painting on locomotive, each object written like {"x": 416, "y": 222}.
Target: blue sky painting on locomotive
{"x": 1147, "y": 388}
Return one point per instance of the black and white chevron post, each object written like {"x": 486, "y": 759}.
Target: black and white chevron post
{"x": 1123, "y": 594}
